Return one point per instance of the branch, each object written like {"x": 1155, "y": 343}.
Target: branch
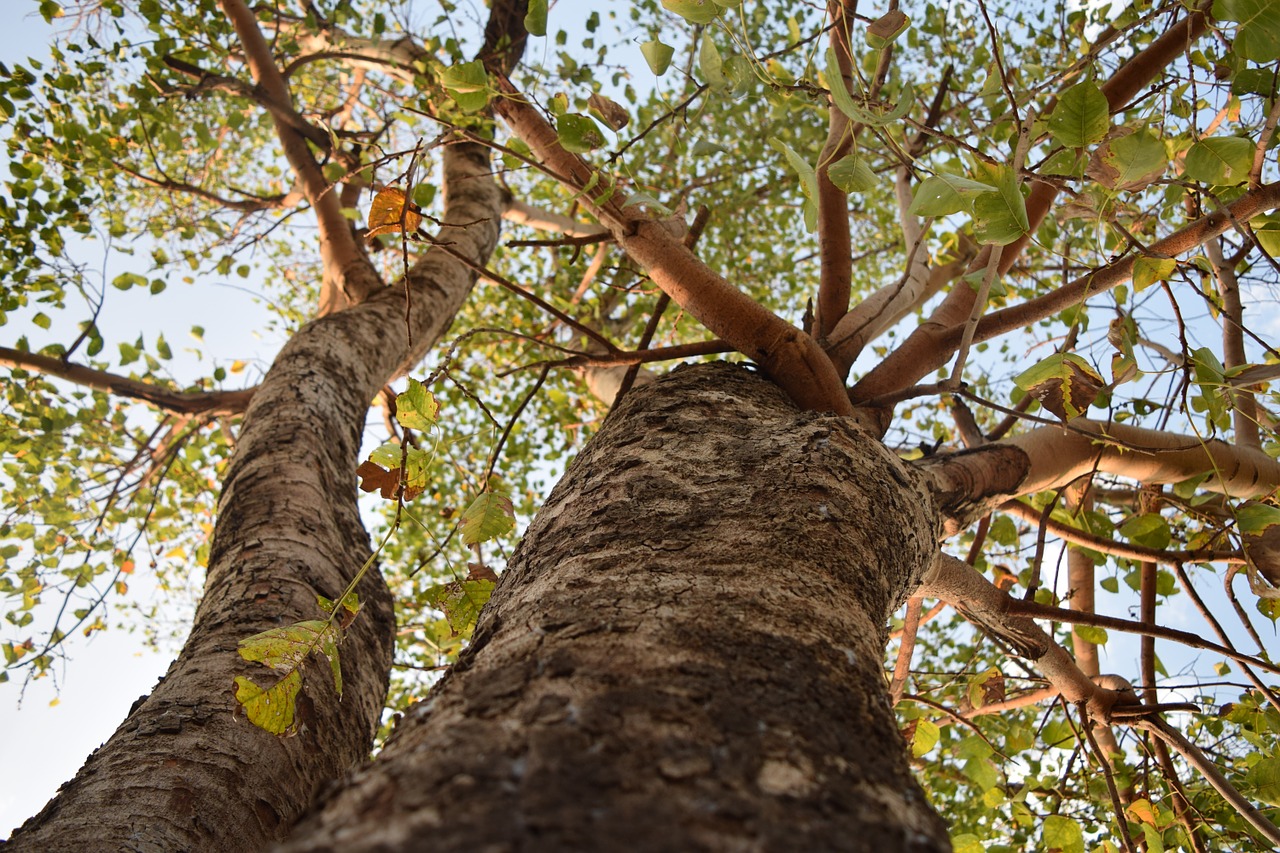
{"x": 1212, "y": 775}
{"x": 790, "y": 357}
{"x": 179, "y": 402}
{"x": 1119, "y": 549}
{"x": 1059, "y": 455}
{"x": 1072, "y": 617}
{"x": 349, "y": 277}
{"x": 249, "y": 205}
{"x": 991, "y": 610}
{"x": 835, "y": 248}
{"x": 543, "y": 220}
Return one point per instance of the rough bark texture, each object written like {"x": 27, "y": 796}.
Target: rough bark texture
{"x": 684, "y": 654}
{"x": 183, "y": 772}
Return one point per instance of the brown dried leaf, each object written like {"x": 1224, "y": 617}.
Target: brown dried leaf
{"x": 481, "y": 572}
{"x": 611, "y": 111}
{"x": 374, "y": 477}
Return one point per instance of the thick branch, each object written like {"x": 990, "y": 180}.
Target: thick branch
{"x": 349, "y": 278}
{"x": 1060, "y": 455}
{"x": 178, "y": 402}
{"x": 989, "y": 608}
{"x": 834, "y": 244}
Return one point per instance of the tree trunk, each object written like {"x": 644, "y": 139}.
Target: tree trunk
{"x": 685, "y": 652}
{"x": 184, "y": 772}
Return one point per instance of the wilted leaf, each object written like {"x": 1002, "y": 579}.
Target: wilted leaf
{"x": 373, "y": 477}
{"x": 884, "y": 30}
{"x": 1129, "y": 160}
{"x": 460, "y": 602}
{"x": 611, "y": 112}
{"x": 270, "y": 709}
{"x": 390, "y": 213}
{"x": 1064, "y": 383}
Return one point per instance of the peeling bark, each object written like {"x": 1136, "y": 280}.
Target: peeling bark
{"x": 684, "y": 654}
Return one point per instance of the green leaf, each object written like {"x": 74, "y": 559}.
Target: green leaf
{"x": 808, "y": 181}
{"x": 942, "y": 195}
{"x": 1147, "y": 271}
{"x": 1092, "y": 634}
{"x": 1256, "y": 517}
{"x": 416, "y": 407}
{"x": 535, "y": 20}
{"x": 852, "y": 174}
{"x": 578, "y": 133}
{"x": 693, "y": 11}
{"x": 1219, "y": 160}
{"x": 1081, "y": 117}
{"x": 468, "y": 85}
{"x": 1258, "y": 36}
{"x": 1062, "y": 834}
{"x": 1001, "y": 217}
{"x": 710, "y": 63}
{"x": 925, "y": 738}
{"x": 489, "y": 516}
{"x": 1150, "y": 530}
{"x": 1264, "y": 780}
{"x": 658, "y": 55}
{"x": 271, "y": 709}
{"x": 844, "y": 101}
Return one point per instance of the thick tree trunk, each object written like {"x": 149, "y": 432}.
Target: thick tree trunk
{"x": 184, "y": 772}
{"x": 684, "y": 654}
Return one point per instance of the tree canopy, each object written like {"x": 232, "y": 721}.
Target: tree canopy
{"x": 1031, "y": 247}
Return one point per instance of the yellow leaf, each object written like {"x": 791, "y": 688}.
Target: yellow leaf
{"x": 237, "y": 366}
{"x": 389, "y": 215}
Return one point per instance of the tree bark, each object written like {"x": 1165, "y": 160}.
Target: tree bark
{"x": 685, "y": 652}
{"x": 184, "y": 772}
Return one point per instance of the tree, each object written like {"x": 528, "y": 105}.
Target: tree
{"x": 687, "y": 647}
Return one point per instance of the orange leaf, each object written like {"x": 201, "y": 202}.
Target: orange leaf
{"x": 391, "y": 213}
